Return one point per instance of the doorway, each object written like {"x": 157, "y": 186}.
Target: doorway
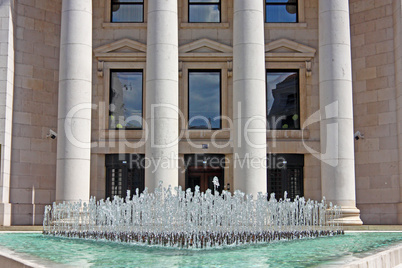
{"x": 202, "y": 169}
{"x": 124, "y": 172}
{"x": 285, "y": 173}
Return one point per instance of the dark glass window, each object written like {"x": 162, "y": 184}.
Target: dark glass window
{"x": 204, "y": 99}
{"x": 124, "y": 172}
{"x": 281, "y": 11}
{"x": 283, "y": 99}
{"x": 125, "y": 107}
{"x": 127, "y": 11}
{"x": 285, "y": 173}
{"x": 204, "y": 11}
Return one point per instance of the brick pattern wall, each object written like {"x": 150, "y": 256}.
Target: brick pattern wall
{"x": 33, "y": 165}
{"x": 377, "y": 180}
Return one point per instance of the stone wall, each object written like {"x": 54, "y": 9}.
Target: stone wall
{"x": 33, "y": 164}
{"x": 377, "y": 179}
{"x": 36, "y": 44}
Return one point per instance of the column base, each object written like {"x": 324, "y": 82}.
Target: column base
{"x": 350, "y": 216}
{"x": 5, "y": 214}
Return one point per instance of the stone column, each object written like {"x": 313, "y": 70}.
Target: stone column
{"x": 337, "y": 136}
{"x": 249, "y": 101}
{"x": 74, "y": 106}
{"x": 162, "y": 94}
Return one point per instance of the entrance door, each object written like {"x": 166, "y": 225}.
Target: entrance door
{"x": 204, "y": 179}
{"x": 202, "y": 169}
{"x": 286, "y": 175}
{"x": 123, "y": 173}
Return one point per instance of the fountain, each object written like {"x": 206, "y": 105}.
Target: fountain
{"x": 185, "y": 219}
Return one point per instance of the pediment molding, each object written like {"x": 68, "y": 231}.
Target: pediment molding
{"x": 121, "y": 50}
{"x": 205, "y": 48}
{"x": 288, "y": 50}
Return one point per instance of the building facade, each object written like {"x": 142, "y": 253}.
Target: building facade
{"x": 98, "y": 97}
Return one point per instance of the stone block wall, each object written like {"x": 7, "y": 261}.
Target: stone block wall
{"x": 377, "y": 177}
{"x": 33, "y": 166}
{"x": 34, "y": 72}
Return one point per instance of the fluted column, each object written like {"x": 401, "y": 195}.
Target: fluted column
{"x": 335, "y": 81}
{"x": 74, "y": 106}
{"x": 249, "y": 101}
{"x": 162, "y": 94}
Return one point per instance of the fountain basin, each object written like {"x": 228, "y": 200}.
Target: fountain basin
{"x": 324, "y": 251}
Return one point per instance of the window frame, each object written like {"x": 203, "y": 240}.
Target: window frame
{"x": 142, "y": 96}
{"x": 219, "y": 4}
{"x": 127, "y": 4}
{"x": 185, "y": 24}
{"x": 188, "y": 96}
{"x": 281, "y": 4}
{"x": 104, "y": 94}
{"x": 195, "y": 135}
{"x": 299, "y": 98}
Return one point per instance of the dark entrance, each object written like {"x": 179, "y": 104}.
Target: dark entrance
{"x": 124, "y": 172}
{"x": 285, "y": 173}
{"x": 202, "y": 168}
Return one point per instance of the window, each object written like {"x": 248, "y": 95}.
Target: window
{"x": 125, "y": 106}
{"x": 124, "y": 172}
{"x": 285, "y": 173}
{"x": 204, "y": 11}
{"x": 283, "y": 99}
{"x": 204, "y": 99}
{"x": 281, "y": 11}
{"x": 127, "y": 11}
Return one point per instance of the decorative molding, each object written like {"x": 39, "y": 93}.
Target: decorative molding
{"x": 230, "y": 68}
{"x": 308, "y": 68}
{"x": 205, "y": 48}
{"x": 121, "y": 50}
{"x": 180, "y": 68}
{"x": 100, "y": 68}
{"x": 287, "y": 50}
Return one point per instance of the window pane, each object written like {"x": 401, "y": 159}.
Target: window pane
{"x": 283, "y": 100}
{"x": 127, "y": 1}
{"x": 281, "y": 13}
{"x": 204, "y": 1}
{"x": 281, "y": 1}
{"x": 127, "y": 13}
{"x": 204, "y": 13}
{"x": 204, "y": 100}
{"x": 125, "y": 100}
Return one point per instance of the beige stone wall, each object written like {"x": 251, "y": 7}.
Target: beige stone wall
{"x": 377, "y": 179}
{"x": 397, "y": 23}
{"x": 7, "y": 67}
{"x": 33, "y": 164}
{"x": 37, "y": 37}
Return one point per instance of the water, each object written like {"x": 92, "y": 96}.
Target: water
{"x": 184, "y": 219}
{"x": 296, "y": 253}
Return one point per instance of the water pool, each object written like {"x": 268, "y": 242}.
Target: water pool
{"x": 297, "y": 253}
